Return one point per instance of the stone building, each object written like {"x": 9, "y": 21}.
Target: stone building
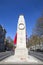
{"x": 2, "y": 38}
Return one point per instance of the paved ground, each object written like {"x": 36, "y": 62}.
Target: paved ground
{"x": 13, "y": 59}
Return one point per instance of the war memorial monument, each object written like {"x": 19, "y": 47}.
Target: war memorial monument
{"x": 21, "y": 52}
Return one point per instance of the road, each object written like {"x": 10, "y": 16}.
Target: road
{"x": 37, "y": 55}
{"x": 4, "y": 55}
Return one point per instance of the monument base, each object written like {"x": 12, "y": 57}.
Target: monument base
{"x": 21, "y": 53}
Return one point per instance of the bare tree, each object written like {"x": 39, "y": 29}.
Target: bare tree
{"x": 38, "y": 30}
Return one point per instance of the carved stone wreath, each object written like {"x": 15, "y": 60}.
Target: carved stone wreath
{"x": 21, "y": 26}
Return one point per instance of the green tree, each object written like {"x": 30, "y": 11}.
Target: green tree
{"x": 9, "y": 43}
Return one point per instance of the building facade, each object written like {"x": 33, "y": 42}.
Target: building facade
{"x": 2, "y": 38}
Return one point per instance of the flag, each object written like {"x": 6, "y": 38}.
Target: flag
{"x": 15, "y": 39}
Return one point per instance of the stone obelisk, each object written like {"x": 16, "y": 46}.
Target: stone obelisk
{"x": 21, "y": 32}
{"x": 21, "y": 50}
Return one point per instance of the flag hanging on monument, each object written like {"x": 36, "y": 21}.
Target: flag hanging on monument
{"x": 15, "y": 39}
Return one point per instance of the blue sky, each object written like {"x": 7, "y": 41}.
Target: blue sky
{"x": 11, "y": 9}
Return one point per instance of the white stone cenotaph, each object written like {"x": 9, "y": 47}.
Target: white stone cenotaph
{"x": 21, "y": 50}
